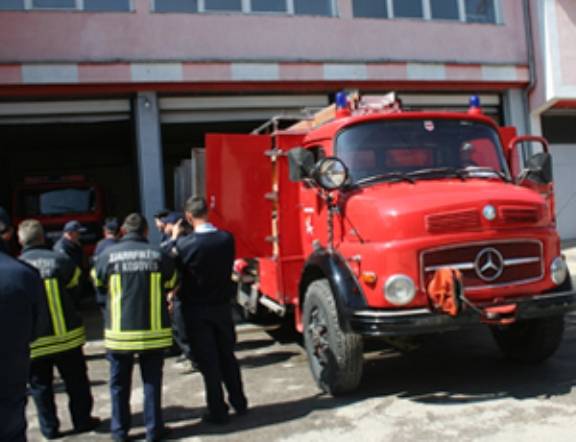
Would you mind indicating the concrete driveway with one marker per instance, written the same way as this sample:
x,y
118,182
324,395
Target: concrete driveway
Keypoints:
x,y
455,387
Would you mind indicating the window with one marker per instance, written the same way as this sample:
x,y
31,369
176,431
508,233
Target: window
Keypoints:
x,y
382,149
472,11
313,7
444,9
269,5
480,11
107,5
6,5
176,6
408,8
223,5
370,8
54,4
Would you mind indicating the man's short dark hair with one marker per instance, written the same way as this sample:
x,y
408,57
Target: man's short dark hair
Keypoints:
x,y
196,205
135,223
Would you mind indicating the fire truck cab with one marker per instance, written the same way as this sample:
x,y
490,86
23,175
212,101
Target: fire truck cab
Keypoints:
x,y
366,221
56,200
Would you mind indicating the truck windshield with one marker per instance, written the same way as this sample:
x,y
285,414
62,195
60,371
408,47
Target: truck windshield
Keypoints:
x,y
57,201
418,148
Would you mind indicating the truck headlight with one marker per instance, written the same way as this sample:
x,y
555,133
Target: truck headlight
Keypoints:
x,y
558,270
399,290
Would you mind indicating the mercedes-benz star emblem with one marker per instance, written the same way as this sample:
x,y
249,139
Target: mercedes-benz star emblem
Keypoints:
x,y
489,264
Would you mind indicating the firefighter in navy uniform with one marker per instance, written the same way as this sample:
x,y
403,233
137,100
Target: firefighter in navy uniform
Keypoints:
x,y
206,259
136,275
60,336
20,294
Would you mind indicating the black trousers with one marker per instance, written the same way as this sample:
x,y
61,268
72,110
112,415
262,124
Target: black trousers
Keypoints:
x,y
121,365
212,338
72,368
179,331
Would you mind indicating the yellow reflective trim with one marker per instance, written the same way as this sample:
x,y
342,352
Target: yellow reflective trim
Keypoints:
x,y
53,306
44,340
46,345
138,346
75,278
138,334
58,303
155,290
115,301
172,282
95,280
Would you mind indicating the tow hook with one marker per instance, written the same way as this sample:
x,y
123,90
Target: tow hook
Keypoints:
x,y
446,293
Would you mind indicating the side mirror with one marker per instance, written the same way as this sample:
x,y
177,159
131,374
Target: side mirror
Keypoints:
x,y
300,163
537,161
539,168
330,173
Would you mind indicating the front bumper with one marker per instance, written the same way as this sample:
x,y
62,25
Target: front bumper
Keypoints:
x,y
378,322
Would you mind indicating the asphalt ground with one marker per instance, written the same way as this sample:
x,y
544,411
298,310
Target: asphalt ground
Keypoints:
x,y
455,387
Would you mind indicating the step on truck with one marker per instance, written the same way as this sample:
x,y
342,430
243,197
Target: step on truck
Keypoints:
x,y
368,221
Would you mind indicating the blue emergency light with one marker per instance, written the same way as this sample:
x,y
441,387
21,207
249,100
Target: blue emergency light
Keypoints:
x,y
475,102
341,100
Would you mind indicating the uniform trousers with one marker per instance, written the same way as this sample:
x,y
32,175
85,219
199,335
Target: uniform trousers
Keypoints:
x,y
13,416
73,371
151,364
212,339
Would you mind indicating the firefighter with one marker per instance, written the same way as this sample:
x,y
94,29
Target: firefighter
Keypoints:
x,y
69,243
206,291
60,336
160,224
20,294
111,232
136,275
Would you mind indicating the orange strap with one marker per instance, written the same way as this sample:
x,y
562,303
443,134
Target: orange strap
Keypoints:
x,y
443,290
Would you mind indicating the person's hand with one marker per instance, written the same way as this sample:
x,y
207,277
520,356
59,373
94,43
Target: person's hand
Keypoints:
x,y
170,298
178,229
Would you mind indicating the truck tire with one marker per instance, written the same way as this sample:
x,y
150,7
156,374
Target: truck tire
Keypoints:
x,y
531,341
335,355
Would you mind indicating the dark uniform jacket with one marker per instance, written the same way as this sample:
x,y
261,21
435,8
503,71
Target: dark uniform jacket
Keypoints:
x,y
72,249
103,244
206,260
59,325
136,275
20,293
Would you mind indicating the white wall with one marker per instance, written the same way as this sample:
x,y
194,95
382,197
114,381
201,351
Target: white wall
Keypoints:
x,y
564,163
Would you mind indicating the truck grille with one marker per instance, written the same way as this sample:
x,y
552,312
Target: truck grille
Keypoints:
x,y
519,214
464,220
487,264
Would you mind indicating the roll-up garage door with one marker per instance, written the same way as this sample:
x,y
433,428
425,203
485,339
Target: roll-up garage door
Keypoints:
x,y
70,111
236,108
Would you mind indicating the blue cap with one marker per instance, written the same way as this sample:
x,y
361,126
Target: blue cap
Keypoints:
x,y
74,226
172,218
112,224
475,101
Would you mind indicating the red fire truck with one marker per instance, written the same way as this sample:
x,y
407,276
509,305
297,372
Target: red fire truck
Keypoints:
x,y
56,200
367,221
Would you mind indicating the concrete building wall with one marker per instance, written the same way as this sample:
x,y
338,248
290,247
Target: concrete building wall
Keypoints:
x,y
142,35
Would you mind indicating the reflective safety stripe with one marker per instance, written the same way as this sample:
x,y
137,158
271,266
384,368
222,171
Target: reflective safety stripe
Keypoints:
x,y
55,306
75,280
155,300
47,345
95,280
115,285
172,282
138,339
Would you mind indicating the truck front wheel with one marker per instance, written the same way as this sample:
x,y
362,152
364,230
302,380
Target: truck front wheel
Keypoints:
x,y
530,341
335,355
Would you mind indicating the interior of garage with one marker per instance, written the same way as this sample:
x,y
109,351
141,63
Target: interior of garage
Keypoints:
x,y
100,152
